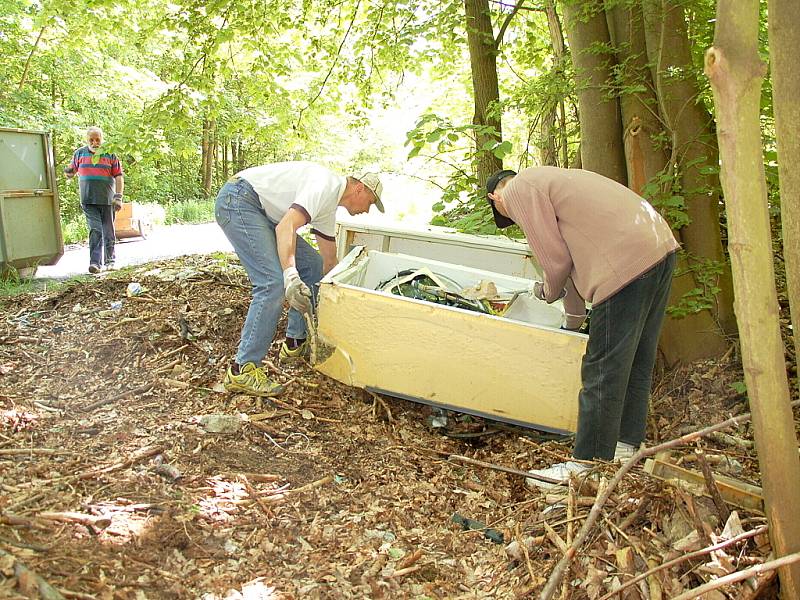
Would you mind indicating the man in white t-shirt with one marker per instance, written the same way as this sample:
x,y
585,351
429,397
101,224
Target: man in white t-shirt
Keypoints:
x,y
260,210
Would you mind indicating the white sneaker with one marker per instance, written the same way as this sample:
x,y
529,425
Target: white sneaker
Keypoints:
x,y
560,472
624,452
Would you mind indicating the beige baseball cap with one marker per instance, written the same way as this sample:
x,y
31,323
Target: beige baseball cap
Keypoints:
x,y
373,182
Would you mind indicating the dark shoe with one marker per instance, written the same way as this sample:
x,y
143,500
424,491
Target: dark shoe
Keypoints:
x,y
299,352
94,269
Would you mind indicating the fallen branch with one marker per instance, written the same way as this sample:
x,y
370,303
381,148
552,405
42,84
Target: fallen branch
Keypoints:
x,y
48,451
142,454
402,572
29,582
75,517
560,568
685,557
142,389
34,547
740,575
711,485
377,400
480,463
13,520
315,484
410,559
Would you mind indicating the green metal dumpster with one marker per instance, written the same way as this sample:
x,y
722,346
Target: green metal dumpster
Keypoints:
x,y
30,225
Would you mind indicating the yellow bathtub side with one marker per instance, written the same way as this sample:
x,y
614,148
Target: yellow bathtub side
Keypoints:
x,y
484,365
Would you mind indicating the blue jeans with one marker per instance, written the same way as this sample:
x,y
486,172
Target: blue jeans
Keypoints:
x,y
252,234
100,219
617,368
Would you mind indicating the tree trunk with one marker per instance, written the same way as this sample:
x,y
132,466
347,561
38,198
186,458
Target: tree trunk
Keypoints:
x,y
736,72
213,160
601,126
207,158
235,155
784,48
552,131
694,336
225,168
204,148
27,66
482,56
694,158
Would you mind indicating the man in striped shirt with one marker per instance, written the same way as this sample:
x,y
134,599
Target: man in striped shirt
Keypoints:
x,y
101,182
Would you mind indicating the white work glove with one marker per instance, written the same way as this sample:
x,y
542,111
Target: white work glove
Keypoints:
x,y
538,291
297,293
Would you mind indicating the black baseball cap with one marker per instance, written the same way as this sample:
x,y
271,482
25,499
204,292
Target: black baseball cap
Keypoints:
x,y
491,184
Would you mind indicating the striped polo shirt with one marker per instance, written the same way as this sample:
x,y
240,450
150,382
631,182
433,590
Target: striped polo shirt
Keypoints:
x,y
96,173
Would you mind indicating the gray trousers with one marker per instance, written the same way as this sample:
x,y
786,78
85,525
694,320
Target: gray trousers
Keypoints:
x,y
617,368
100,219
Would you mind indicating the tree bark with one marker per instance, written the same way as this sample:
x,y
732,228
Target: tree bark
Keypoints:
x,y
204,154
27,67
482,56
736,72
601,125
225,168
784,48
208,155
553,127
695,335
694,155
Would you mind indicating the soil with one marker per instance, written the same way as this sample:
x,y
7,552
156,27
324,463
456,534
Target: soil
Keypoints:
x,y
114,487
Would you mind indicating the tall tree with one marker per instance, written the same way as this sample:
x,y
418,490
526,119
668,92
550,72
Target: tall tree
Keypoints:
x,y
784,48
553,120
693,335
693,159
602,148
483,62
735,69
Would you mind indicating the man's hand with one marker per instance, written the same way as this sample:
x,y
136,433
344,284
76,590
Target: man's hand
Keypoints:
x,y
297,293
538,291
117,203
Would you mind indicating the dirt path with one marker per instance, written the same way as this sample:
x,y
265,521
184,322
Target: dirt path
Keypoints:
x,y
164,242
115,484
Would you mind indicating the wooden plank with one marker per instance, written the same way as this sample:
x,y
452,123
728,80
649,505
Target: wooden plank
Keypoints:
x,y
733,491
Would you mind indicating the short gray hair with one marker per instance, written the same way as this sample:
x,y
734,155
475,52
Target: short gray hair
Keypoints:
x,y
94,129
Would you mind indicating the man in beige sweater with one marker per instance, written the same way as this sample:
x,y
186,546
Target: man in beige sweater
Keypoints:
x,y
599,242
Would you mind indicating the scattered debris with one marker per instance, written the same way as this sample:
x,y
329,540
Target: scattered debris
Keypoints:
x,y
110,487
472,525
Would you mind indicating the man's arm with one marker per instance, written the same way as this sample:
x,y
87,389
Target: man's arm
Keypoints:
x,y
574,307
286,236
119,185
327,249
297,292
72,168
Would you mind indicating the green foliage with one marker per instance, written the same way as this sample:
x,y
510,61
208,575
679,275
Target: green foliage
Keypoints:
x,y
706,274
190,211
664,192
739,387
74,229
463,205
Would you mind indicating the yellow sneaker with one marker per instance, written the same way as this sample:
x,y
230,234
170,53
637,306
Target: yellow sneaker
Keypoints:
x,y
290,355
252,381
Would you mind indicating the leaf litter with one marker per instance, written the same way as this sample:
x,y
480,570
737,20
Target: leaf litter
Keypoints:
x,y
127,472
